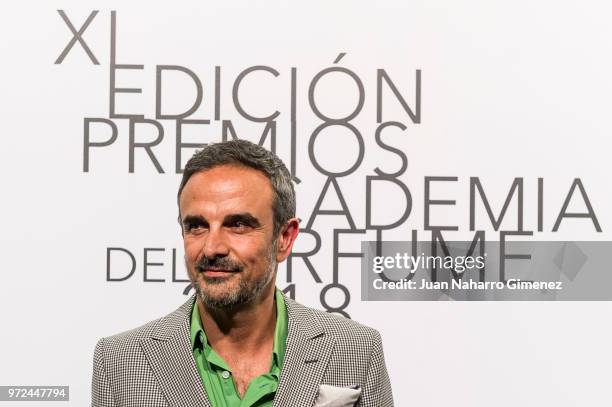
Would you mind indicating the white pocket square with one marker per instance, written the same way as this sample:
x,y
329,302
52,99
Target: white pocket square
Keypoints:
x,y
333,396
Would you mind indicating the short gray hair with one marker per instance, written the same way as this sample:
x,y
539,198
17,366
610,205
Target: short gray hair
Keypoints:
x,y
251,155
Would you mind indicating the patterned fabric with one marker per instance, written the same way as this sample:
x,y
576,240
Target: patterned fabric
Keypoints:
x,y
153,365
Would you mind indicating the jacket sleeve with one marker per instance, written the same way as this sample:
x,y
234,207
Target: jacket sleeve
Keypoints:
x,y
377,390
101,393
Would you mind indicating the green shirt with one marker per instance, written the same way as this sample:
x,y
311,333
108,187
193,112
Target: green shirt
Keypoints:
x,y
217,376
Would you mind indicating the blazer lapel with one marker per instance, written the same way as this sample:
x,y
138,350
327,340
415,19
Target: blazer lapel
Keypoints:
x,y
170,356
307,354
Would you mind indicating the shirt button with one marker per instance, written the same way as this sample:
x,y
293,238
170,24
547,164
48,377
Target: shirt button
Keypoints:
x,y
225,374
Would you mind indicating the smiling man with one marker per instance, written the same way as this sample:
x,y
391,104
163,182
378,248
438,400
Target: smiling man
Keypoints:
x,y
239,342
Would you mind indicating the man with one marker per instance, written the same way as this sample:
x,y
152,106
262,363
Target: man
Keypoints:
x,y
238,341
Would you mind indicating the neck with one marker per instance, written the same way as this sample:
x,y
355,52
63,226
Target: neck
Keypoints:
x,y
244,327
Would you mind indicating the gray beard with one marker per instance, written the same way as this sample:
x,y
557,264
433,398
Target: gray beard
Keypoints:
x,y
245,292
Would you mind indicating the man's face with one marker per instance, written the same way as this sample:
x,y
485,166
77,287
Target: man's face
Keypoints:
x,y
227,220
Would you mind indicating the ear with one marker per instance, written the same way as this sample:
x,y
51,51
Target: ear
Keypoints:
x,y
286,237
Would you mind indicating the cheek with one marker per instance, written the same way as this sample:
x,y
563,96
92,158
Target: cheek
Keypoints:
x,y
252,251
192,249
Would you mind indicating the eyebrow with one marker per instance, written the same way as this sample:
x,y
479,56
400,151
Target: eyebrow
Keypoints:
x,y
245,218
191,219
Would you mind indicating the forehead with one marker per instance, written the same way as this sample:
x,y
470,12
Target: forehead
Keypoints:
x,y
225,189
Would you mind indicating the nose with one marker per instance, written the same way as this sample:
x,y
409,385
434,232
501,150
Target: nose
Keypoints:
x,y
215,244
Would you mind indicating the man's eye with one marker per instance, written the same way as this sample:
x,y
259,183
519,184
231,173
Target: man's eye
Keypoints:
x,y
193,227
239,225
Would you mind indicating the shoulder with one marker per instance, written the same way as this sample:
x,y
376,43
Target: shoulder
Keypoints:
x,y
126,341
165,326
337,326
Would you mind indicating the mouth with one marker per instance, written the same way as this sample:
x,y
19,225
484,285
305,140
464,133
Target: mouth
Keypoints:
x,y
214,272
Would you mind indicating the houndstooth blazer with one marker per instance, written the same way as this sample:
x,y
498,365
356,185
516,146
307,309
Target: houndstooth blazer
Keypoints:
x,y
154,365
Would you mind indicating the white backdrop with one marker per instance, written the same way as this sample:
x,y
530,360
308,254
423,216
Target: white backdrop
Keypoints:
x,y
507,90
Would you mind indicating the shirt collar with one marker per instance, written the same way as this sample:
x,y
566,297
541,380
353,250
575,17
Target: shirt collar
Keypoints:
x,y
280,332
